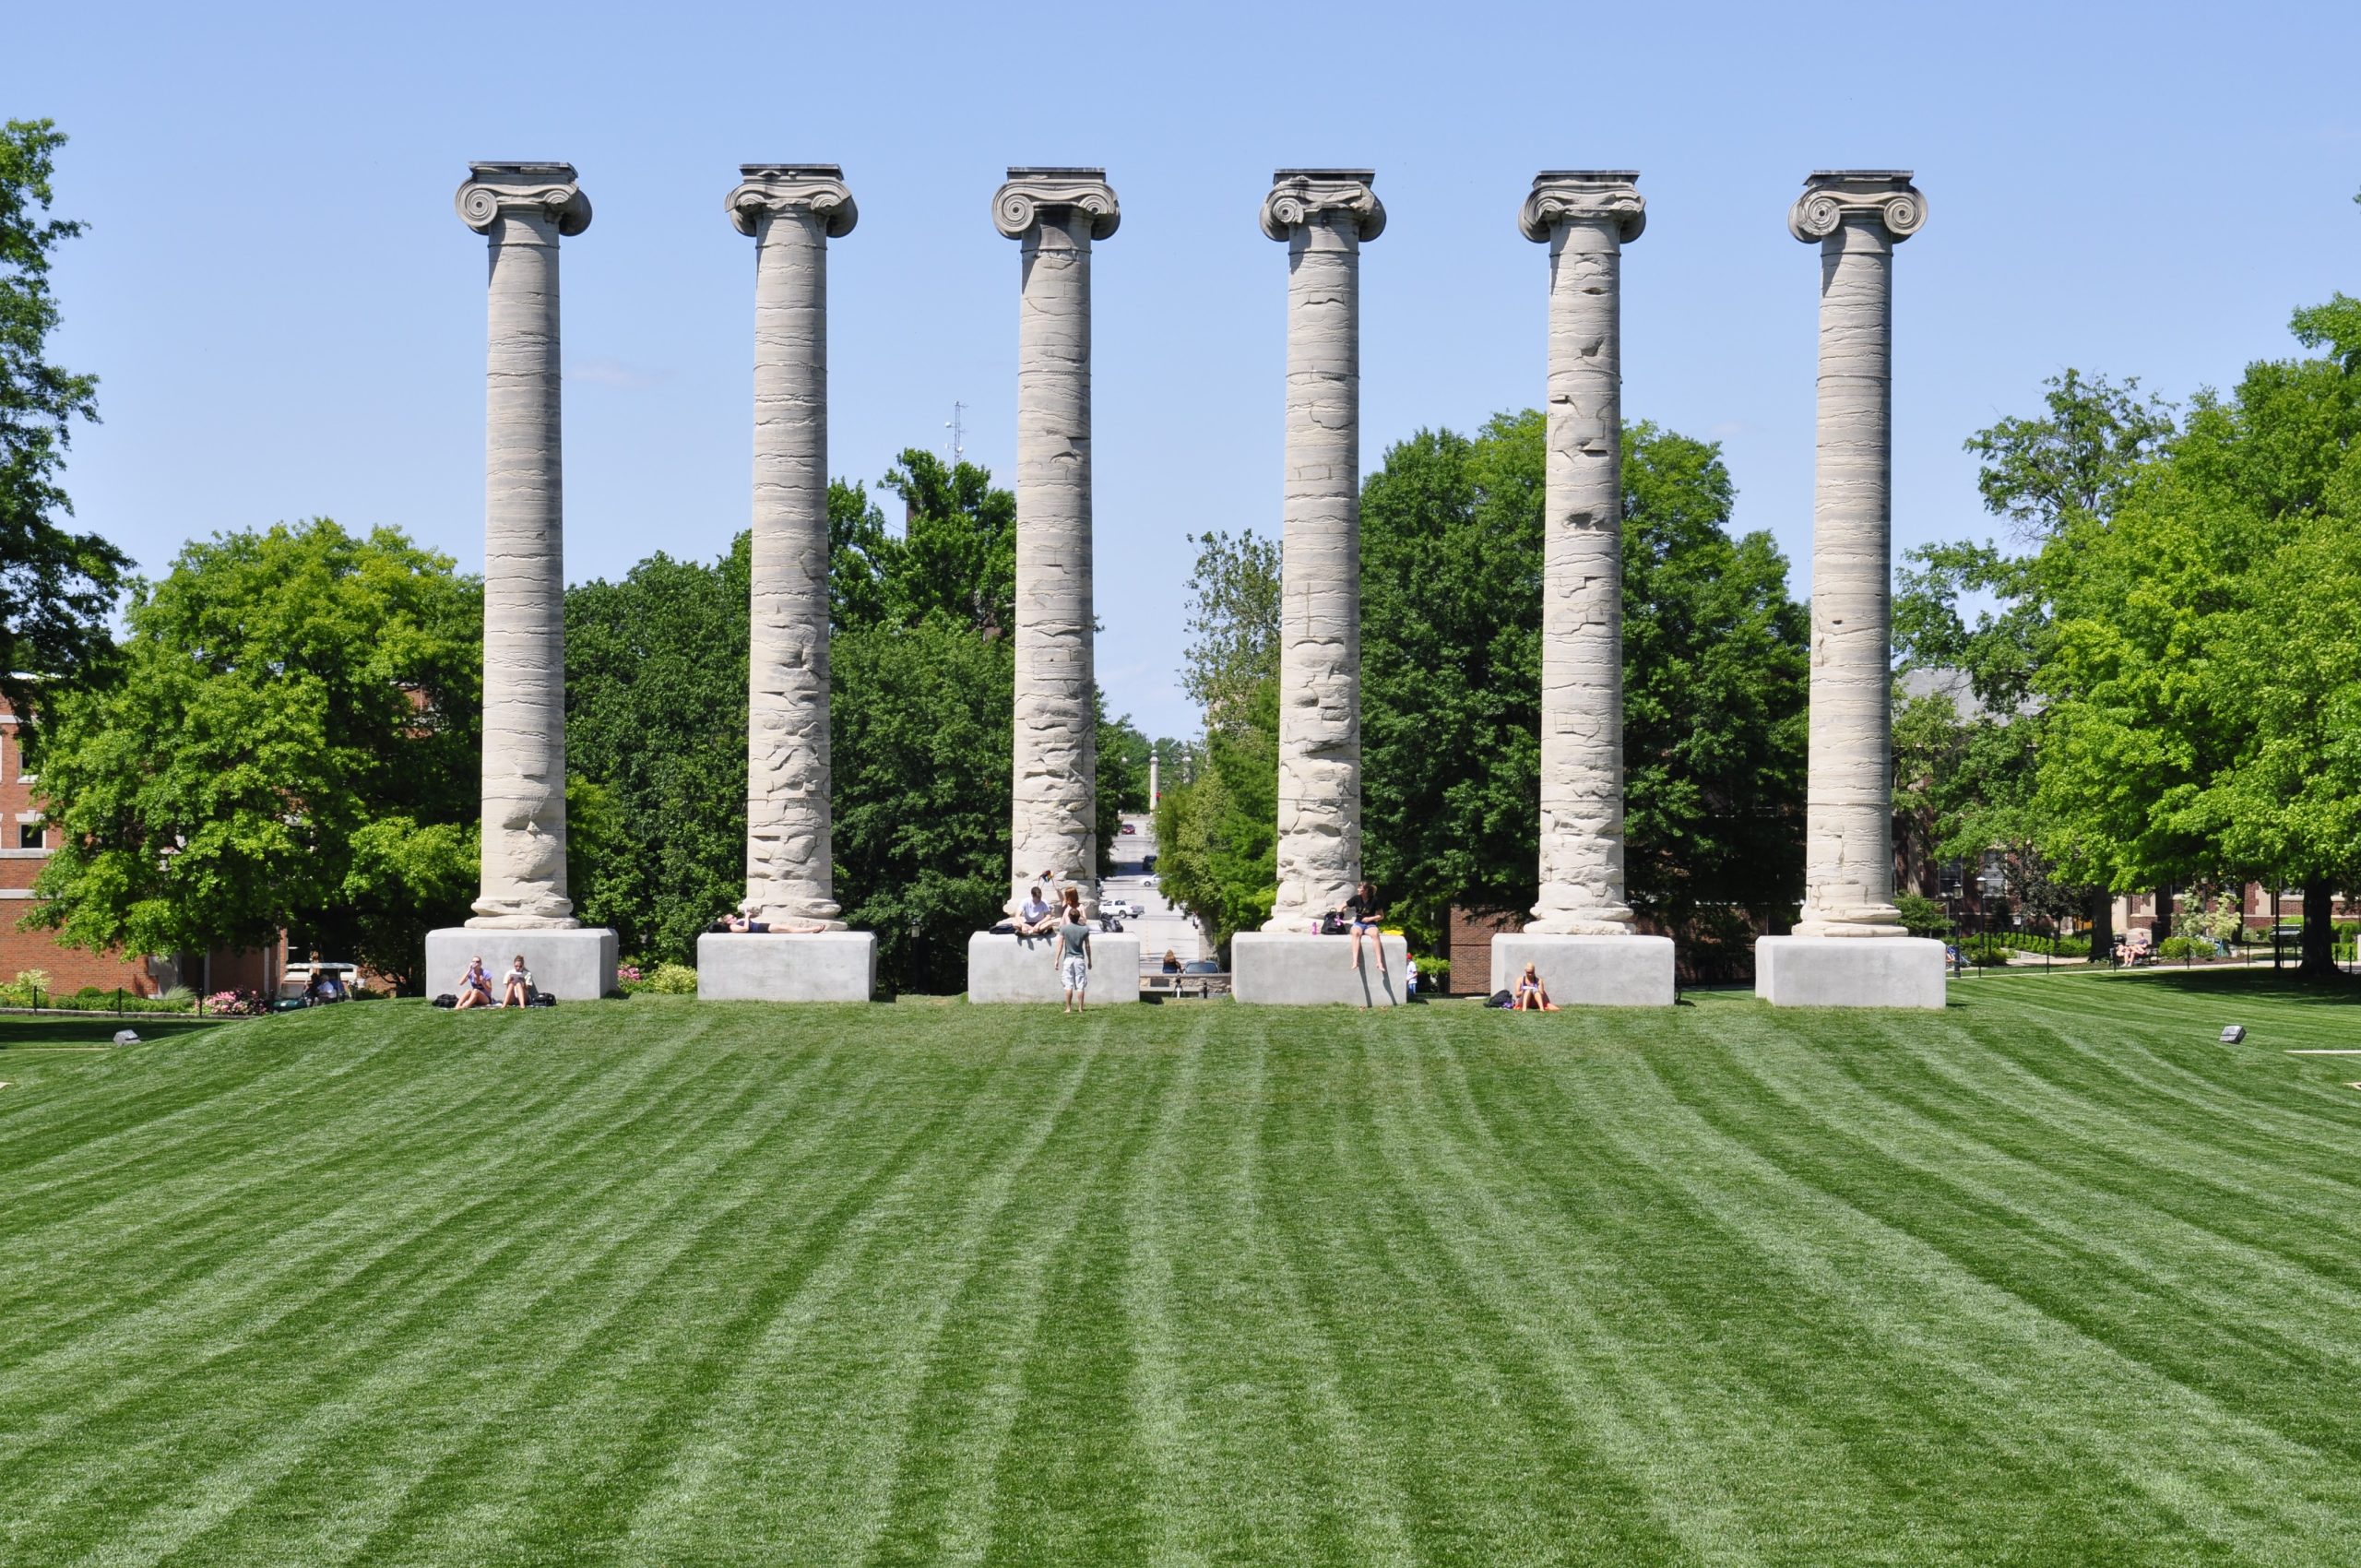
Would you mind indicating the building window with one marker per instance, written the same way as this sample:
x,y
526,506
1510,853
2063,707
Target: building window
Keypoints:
x,y
31,835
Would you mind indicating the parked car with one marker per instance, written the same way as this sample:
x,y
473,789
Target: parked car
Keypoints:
x,y
308,985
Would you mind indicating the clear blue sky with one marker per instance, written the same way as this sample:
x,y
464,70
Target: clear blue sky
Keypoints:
x,y
289,319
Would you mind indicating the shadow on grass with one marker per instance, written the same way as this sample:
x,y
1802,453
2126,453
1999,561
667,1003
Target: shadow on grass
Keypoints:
x,y
96,1029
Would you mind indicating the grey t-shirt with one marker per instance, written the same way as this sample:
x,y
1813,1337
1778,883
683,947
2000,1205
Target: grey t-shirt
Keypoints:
x,y
1071,938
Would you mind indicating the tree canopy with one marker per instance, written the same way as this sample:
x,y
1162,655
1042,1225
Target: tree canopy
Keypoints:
x,y
1715,680
291,744
57,588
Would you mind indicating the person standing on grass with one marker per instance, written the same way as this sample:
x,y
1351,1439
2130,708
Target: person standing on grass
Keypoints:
x,y
1071,952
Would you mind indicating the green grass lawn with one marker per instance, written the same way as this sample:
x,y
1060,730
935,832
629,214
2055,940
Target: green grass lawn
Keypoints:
x,y
2049,1278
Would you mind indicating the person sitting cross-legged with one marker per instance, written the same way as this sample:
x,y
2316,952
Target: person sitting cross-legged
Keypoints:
x,y
1035,916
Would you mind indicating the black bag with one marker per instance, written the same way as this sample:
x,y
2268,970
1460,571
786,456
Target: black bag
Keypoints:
x,y
1500,999
1333,924
541,999
447,1000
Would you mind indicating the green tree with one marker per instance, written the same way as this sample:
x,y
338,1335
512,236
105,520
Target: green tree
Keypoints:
x,y
2203,688
292,745
57,588
656,723
1216,828
1714,677
921,719
2074,464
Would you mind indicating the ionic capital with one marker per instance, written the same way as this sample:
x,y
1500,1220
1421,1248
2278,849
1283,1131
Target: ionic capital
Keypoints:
x,y
492,189
1301,196
816,188
1835,196
1031,194
1583,196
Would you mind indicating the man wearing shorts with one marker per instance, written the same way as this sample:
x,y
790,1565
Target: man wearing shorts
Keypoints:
x,y
1072,955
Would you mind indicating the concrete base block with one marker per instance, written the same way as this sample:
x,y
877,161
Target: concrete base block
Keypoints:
x,y
1849,971
1588,971
1288,968
1001,969
572,963
821,965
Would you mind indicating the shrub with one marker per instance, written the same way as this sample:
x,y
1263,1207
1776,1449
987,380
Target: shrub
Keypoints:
x,y
665,979
2185,947
181,994
1922,916
2046,947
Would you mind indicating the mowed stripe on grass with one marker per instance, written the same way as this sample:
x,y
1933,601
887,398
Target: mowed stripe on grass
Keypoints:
x,y
2052,1276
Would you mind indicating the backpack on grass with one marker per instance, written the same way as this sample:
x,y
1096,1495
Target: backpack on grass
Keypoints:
x,y
447,1000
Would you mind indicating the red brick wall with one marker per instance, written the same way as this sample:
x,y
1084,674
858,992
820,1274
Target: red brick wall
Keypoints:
x,y
69,969
1470,935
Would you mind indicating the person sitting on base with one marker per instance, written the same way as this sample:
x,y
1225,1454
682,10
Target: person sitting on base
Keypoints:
x,y
1362,917
1531,995
1172,962
1035,916
475,986
517,985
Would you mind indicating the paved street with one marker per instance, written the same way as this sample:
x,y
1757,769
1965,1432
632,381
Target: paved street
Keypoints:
x,y
1163,927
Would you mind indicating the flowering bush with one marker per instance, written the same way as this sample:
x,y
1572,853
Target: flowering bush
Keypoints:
x,y
237,1004
662,979
626,974
29,989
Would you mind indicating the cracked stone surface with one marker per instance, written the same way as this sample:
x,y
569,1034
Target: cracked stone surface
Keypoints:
x,y
792,211
523,209
1323,216
1585,217
1055,215
1856,216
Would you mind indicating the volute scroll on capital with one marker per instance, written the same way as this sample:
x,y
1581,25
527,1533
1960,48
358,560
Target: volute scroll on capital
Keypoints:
x,y
816,188
1018,205
1833,197
492,188
1564,195
1301,196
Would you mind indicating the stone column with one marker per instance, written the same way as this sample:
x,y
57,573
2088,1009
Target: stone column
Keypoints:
x,y
1581,942
1323,216
1585,217
1856,216
792,211
523,207
1054,214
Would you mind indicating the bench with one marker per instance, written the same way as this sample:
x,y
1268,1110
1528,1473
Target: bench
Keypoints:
x,y
1159,985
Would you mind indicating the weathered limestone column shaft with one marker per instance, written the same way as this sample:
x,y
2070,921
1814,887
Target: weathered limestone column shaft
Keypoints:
x,y
791,211
524,209
1323,216
1054,214
1856,216
1585,217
